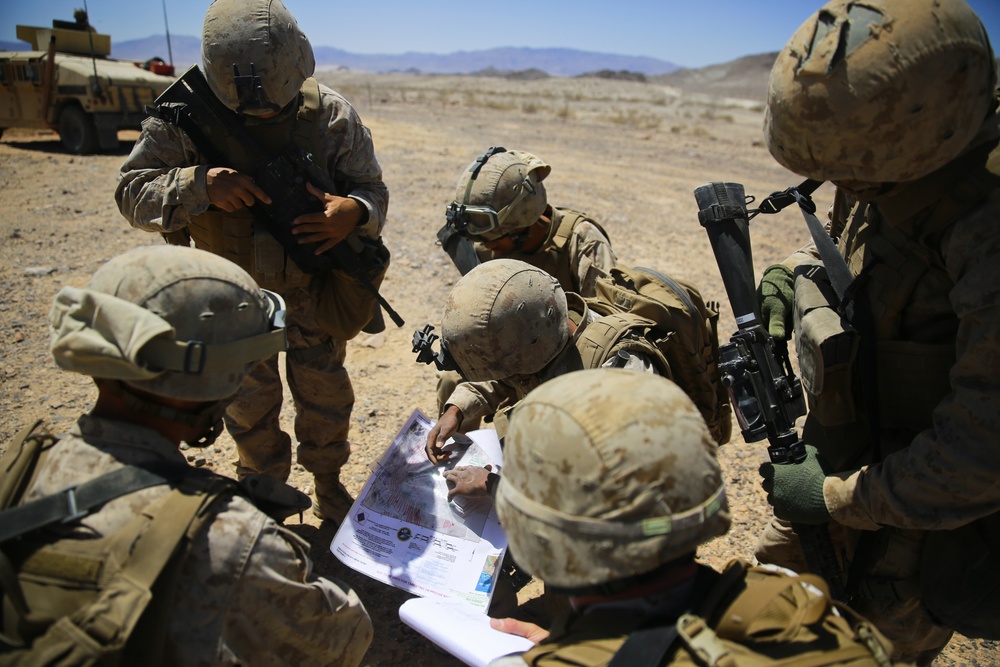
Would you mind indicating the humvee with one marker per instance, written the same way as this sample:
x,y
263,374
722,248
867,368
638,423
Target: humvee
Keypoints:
x,y
70,85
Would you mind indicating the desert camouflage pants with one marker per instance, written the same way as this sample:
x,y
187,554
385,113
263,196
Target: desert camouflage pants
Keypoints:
x,y
321,391
889,595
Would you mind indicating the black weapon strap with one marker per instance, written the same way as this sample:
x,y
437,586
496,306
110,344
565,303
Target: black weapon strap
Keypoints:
x,y
857,311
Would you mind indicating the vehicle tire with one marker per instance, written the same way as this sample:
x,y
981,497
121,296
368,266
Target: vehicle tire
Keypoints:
x,y
77,130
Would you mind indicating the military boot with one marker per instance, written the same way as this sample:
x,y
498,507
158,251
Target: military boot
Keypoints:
x,y
331,501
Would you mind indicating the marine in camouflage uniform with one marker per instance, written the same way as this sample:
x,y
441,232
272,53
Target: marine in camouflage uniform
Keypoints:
x,y
610,485
904,122
246,593
509,327
501,204
166,186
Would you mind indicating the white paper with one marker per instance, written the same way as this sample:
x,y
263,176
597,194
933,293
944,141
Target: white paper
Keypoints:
x,y
461,630
403,531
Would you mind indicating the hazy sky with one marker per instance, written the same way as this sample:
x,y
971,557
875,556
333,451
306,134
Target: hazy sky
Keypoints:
x,y
691,33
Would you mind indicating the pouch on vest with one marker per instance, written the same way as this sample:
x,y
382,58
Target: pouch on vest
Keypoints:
x,y
827,347
345,305
960,577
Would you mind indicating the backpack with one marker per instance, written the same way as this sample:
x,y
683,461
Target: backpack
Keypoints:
x,y
682,327
69,600
745,617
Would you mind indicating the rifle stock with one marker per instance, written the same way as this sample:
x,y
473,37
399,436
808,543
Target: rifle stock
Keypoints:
x,y
764,391
215,130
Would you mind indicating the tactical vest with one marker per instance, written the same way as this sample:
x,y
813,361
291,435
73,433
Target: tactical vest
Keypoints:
x,y
69,599
903,275
238,236
750,617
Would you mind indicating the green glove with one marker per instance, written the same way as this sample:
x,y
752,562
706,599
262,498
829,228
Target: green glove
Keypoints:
x,y
795,490
776,293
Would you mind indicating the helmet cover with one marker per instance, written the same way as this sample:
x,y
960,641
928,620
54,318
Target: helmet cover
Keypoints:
x,y
879,90
165,306
504,318
255,56
506,185
609,474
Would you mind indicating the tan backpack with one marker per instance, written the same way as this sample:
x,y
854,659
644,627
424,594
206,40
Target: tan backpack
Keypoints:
x,y
683,327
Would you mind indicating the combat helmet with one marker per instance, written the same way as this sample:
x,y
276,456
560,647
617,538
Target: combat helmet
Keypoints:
x,y
499,193
879,91
504,318
255,56
609,474
168,321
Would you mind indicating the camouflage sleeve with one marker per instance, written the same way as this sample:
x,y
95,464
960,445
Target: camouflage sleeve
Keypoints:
x,y
281,609
350,157
948,475
161,184
481,399
591,257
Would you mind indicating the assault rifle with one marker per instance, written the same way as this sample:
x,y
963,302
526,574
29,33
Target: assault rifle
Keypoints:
x,y
764,391
216,130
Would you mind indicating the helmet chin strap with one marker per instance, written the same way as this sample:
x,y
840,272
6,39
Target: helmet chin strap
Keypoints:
x,y
208,418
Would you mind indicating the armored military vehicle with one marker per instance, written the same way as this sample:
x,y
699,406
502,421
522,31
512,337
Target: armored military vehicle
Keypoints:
x,y
69,84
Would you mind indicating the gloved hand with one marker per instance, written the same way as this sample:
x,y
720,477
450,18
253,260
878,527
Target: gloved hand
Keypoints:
x,y
795,490
776,293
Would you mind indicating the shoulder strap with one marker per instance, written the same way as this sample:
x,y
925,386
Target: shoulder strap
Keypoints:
x,y
559,236
560,233
646,646
305,126
77,501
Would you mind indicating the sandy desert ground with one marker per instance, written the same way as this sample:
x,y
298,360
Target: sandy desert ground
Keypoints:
x,y
629,154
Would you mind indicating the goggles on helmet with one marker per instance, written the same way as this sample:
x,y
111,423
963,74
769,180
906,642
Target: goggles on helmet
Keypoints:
x,y
482,220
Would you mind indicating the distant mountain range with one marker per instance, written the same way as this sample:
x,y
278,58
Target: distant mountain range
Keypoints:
x,y
744,77
555,62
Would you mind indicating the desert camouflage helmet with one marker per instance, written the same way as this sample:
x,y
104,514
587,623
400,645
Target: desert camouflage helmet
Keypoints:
x,y
255,56
504,318
499,193
170,321
609,474
879,90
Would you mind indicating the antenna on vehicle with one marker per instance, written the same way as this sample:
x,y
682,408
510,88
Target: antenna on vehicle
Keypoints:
x,y
166,28
96,87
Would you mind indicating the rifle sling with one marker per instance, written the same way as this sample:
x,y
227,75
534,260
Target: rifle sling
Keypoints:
x,y
856,309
